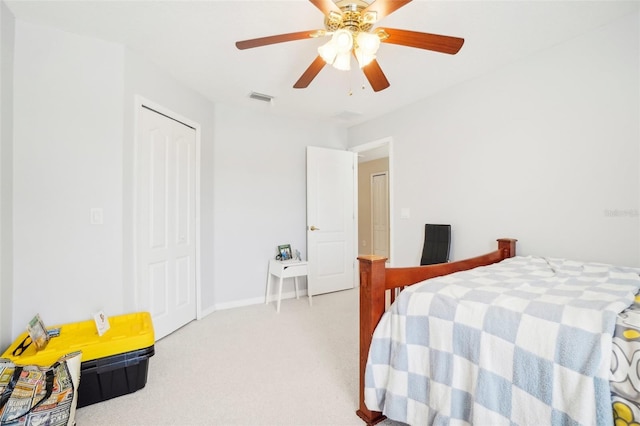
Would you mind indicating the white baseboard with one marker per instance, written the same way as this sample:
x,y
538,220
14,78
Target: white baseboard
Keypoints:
x,y
249,302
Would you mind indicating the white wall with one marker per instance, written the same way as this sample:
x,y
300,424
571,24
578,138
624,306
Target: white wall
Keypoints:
x,y
7,31
545,150
74,130
260,191
68,110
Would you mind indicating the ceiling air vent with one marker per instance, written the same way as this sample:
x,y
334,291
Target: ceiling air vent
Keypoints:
x,y
261,97
348,115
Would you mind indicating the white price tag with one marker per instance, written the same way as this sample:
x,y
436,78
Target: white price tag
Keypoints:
x,y
102,322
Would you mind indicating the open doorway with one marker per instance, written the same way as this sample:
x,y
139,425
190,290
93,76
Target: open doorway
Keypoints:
x,y
375,198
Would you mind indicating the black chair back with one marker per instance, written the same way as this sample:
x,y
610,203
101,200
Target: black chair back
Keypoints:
x,y
437,241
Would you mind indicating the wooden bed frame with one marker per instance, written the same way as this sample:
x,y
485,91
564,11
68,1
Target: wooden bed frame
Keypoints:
x,y
376,279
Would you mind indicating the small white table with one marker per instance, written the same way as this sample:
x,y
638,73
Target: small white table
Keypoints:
x,y
286,269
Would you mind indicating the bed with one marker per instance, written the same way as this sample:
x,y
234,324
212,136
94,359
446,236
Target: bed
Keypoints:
x,y
500,339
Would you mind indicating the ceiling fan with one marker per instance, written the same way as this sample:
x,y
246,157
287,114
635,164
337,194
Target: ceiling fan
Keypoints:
x,y
350,25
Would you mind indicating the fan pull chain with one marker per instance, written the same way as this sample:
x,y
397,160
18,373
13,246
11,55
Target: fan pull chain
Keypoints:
x,y
363,86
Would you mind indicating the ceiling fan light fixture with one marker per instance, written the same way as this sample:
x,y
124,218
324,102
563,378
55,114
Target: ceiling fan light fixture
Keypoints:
x,y
343,61
363,58
367,47
337,51
350,24
328,52
343,40
368,42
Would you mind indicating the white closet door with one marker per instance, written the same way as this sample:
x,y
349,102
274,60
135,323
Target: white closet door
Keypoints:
x,y
165,222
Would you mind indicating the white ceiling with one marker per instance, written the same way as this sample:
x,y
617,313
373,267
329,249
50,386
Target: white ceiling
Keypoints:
x,y
194,41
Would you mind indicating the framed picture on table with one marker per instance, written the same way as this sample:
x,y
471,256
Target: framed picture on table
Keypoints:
x,y
284,252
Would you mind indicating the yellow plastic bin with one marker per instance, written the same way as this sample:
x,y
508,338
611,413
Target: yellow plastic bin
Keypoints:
x,y
113,364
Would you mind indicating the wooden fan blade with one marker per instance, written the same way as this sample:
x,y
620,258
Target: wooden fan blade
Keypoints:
x,y
325,6
307,77
376,77
435,42
385,7
280,38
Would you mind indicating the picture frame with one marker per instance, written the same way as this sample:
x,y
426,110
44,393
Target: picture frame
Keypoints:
x,y
284,251
38,332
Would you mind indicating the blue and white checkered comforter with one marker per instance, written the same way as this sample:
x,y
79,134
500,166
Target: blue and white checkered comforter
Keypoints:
x,y
527,341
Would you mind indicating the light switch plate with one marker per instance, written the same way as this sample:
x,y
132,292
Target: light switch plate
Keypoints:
x,y
97,216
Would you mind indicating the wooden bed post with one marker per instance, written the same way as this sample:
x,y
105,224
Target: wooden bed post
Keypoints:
x,y
507,246
372,293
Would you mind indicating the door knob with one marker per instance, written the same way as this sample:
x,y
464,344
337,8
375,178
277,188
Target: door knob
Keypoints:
x,y
313,228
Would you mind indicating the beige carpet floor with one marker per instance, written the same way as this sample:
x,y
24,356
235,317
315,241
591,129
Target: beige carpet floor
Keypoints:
x,y
250,366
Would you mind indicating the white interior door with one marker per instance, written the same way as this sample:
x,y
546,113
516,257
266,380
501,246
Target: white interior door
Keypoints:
x,y
331,222
165,221
380,214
